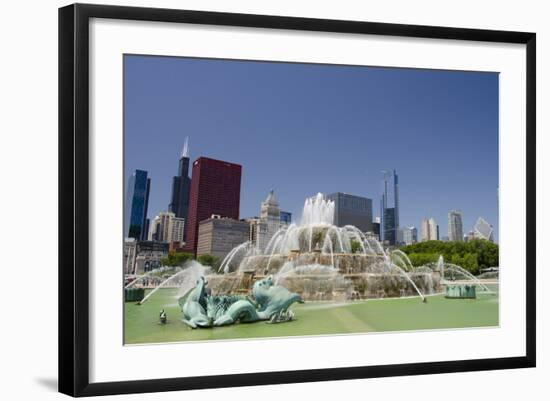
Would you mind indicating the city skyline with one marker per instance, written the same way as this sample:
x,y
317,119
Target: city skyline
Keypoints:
x,y
221,131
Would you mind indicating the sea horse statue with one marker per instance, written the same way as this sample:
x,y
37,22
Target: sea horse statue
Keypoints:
x,y
269,302
273,300
194,306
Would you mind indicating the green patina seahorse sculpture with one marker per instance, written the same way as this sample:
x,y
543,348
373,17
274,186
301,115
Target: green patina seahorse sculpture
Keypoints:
x,y
271,302
272,299
194,306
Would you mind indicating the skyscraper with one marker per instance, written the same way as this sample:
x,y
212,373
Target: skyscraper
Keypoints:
x,y
166,227
270,221
455,226
352,210
424,230
483,230
429,230
376,228
410,235
215,190
389,207
135,208
181,185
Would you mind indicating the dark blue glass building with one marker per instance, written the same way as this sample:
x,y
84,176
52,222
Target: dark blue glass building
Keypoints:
x,y
389,208
135,209
286,217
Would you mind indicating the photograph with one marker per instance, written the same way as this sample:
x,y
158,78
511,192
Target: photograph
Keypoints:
x,y
279,200
268,199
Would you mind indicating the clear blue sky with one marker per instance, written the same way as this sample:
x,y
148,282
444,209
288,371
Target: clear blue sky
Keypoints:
x,y
302,129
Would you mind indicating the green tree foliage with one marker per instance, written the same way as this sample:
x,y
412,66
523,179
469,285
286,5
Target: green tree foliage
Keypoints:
x,y
472,255
355,246
419,259
207,260
176,259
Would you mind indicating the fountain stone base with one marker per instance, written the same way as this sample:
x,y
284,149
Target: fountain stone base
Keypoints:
x,y
336,287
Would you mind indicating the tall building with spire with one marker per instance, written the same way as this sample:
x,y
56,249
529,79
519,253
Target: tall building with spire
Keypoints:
x,y
181,185
270,221
270,214
389,207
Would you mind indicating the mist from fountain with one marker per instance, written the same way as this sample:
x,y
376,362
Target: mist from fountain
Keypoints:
x,y
402,259
317,219
443,267
391,265
317,210
457,269
245,247
185,279
148,274
289,268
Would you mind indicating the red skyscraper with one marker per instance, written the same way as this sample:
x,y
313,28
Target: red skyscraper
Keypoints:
x,y
215,189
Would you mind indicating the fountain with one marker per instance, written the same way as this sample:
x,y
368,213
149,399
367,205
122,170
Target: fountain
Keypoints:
x,y
320,261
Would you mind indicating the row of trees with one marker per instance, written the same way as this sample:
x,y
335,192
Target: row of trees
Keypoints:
x,y
473,255
179,259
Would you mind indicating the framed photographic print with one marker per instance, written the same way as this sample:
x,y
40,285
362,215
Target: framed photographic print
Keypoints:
x,y
250,199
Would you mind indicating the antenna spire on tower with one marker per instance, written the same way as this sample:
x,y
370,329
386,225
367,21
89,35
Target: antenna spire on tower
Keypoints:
x,y
185,151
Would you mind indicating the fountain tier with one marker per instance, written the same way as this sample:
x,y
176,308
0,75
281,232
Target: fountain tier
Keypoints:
x,y
321,261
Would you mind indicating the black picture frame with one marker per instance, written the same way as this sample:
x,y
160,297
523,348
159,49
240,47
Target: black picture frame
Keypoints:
x,y
74,198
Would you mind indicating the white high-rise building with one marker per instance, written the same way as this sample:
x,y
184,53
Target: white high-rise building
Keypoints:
x,y
424,230
410,235
166,227
455,226
429,230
